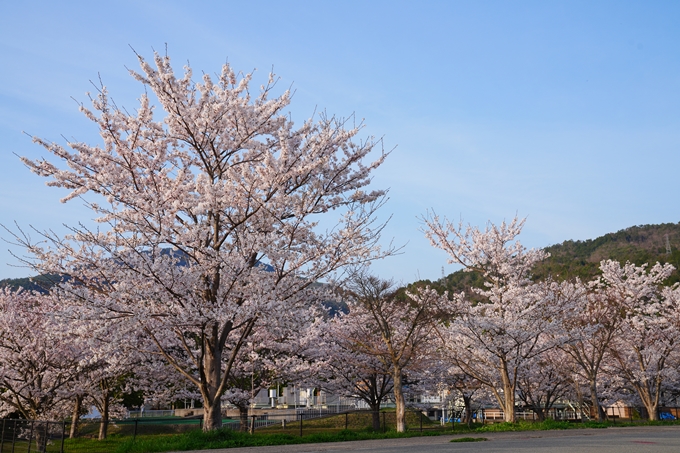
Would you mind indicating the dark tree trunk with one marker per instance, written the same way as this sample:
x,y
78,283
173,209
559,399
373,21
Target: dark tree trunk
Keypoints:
x,y
467,402
243,418
375,416
540,413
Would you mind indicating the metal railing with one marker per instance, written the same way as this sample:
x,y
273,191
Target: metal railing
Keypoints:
x,y
150,414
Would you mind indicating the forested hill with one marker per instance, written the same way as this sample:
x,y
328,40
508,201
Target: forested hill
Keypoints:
x,y
39,283
637,244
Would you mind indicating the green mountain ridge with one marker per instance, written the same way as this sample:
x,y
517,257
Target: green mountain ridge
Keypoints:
x,y
39,283
637,244
570,259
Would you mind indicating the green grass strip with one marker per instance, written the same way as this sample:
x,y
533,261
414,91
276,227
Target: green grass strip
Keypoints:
x,y
469,439
317,433
225,438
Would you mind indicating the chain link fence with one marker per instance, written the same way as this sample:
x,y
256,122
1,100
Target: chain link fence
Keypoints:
x,y
19,436
26,436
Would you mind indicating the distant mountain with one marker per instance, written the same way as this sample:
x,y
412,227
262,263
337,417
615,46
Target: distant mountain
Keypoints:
x,y
41,283
637,244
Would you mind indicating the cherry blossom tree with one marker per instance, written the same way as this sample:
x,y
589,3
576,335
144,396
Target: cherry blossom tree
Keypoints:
x,y
471,394
516,319
114,370
645,350
670,305
456,389
249,376
210,214
543,381
591,327
405,328
275,353
347,363
38,364
115,357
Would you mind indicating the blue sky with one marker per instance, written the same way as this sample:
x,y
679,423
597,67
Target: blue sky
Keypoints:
x,y
564,112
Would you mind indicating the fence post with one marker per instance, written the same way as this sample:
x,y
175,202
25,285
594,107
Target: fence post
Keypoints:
x,y
420,416
47,433
300,424
63,434
346,421
14,434
30,436
384,426
134,432
252,425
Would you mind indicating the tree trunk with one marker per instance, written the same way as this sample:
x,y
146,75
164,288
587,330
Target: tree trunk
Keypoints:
x,y
399,401
375,416
652,411
243,418
212,415
467,402
650,401
75,417
509,409
41,436
104,423
212,362
540,413
508,397
595,401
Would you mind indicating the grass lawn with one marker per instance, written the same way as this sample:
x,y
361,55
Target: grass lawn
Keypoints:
x,y
330,429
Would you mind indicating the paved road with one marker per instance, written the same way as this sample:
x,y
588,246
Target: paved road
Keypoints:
x,y
611,440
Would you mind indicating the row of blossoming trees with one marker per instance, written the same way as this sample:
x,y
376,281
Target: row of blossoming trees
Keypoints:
x,y
216,225
513,340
